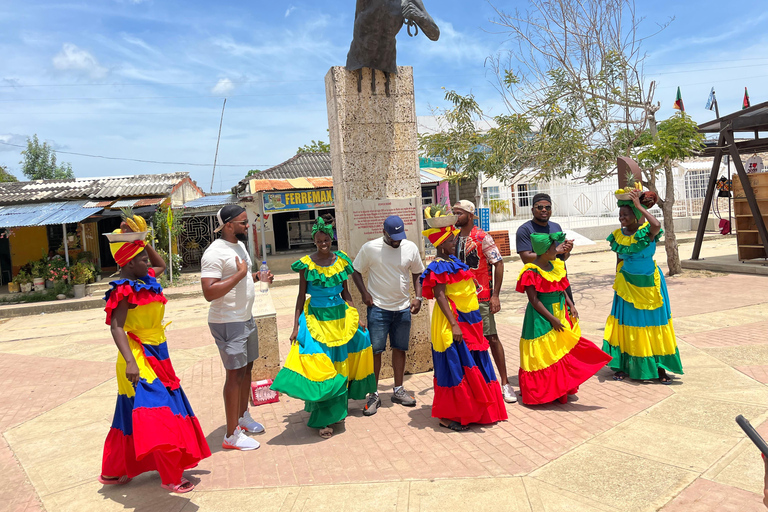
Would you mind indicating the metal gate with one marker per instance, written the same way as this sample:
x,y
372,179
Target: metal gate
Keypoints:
x,y
197,236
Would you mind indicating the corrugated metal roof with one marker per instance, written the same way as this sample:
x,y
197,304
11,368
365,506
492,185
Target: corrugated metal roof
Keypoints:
x,y
295,184
91,188
213,200
430,175
44,214
303,165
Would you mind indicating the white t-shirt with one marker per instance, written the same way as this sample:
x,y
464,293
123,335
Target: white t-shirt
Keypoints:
x,y
219,263
390,271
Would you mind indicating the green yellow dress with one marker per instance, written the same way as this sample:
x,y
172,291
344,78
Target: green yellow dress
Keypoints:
x,y
331,361
639,334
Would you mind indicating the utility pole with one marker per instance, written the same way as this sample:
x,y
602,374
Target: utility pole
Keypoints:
x,y
216,157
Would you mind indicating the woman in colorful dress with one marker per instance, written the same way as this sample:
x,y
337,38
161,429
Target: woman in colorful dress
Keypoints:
x,y
154,427
554,359
639,335
331,360
466,388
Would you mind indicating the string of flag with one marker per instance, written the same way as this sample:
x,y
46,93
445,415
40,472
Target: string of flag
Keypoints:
x,y
711,101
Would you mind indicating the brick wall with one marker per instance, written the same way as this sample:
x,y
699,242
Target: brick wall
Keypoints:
x,y
502,242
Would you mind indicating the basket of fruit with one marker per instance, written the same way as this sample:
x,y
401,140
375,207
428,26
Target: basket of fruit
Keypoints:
x,y
136,224
623,193
437,216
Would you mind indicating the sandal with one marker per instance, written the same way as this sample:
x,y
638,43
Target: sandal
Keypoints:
x,y
455,426
619,376
326,433
180,488
664,378
115,480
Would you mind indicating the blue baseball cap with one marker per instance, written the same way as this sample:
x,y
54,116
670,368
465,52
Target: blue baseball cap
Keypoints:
x,y
394,227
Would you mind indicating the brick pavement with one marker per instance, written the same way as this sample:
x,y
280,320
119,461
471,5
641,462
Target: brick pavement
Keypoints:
x,y
405,445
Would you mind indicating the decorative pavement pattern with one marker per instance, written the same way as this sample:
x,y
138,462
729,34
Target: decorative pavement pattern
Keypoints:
x,y
618,446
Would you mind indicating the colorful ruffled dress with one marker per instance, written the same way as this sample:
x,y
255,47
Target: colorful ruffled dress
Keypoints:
x,y
552,364
639,334
332,359
466,389
154,427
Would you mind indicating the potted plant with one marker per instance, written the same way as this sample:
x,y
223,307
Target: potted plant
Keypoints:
x,y
57,271
13,287
24,280
39,273
80,274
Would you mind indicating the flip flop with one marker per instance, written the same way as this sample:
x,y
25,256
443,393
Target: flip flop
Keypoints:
x,y
326,433
180,487
619,376
455,426
114,481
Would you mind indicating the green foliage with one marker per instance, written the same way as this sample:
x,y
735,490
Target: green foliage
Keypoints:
x,y
161,229
82,272
23,277
40,162
173,265
677,138
253,172
6,176
317,146
499,207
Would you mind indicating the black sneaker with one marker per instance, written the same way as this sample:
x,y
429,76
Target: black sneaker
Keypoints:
x,y
372,405
402,397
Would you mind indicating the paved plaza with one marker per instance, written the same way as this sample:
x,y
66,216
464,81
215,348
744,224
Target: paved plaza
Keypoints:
x,y
629,446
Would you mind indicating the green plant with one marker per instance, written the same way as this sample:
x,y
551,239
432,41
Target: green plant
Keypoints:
x,y
22,277
160,229
57,270
173,265
81,273
40,269
499,206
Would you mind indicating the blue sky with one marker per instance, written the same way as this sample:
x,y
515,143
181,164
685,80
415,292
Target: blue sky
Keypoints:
x,y
145,79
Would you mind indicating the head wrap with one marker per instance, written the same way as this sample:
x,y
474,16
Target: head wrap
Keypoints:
x,y
123,252
541,197
322,227
624,202
439,235
541,242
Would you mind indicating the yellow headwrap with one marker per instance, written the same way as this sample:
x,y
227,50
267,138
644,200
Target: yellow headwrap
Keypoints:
x,y
439,235
123,252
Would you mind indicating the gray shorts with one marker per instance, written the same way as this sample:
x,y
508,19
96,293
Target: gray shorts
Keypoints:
x,y
238,343
489,322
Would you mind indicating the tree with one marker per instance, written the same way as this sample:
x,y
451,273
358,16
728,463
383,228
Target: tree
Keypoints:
x,y
576,99
317,146
5,175
253,172
40,162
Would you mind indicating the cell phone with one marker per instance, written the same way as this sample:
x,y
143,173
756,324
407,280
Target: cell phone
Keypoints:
x,y
752,434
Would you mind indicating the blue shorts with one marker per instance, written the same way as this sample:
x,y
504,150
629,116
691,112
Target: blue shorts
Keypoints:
x,y
396,324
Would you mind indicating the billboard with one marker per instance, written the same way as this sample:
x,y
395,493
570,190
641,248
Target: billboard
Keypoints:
x,y
293,201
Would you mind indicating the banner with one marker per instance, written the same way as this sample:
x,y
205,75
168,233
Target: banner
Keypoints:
x,y
279,202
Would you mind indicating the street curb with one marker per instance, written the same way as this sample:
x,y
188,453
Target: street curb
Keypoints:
x,y
16,310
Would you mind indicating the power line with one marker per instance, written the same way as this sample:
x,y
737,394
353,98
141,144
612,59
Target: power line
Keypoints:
x,y
144,161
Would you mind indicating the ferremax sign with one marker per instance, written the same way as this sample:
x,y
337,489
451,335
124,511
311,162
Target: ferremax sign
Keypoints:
x,y
278,202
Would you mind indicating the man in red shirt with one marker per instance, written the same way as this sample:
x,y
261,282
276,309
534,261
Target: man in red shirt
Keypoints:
x,y
477,249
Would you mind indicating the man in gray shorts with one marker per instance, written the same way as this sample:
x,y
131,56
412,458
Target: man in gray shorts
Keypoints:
x,y
227,283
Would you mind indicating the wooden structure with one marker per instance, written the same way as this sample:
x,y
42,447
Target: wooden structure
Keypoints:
x,y
752,204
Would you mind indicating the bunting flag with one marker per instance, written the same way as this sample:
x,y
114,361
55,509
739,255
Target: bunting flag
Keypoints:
x,y
711,100
745,103
679,102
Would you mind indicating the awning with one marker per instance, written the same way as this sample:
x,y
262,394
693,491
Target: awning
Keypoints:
x,y
430,175
44,214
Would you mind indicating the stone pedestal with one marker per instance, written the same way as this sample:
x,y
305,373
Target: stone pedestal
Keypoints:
x,y
375,162
268,362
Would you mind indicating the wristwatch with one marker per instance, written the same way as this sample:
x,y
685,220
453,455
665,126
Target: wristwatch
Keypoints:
x,y
420,299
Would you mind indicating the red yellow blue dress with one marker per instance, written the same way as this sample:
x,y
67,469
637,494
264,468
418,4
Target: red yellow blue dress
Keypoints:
x,y
466,388
154,427
331,361
639,334
552,364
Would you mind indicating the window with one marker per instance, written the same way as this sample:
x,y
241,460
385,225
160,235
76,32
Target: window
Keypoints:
x,y
427,196
490,193
525,192
696,184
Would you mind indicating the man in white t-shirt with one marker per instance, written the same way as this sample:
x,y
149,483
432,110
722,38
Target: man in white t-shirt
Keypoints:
x,y
391,261
227,282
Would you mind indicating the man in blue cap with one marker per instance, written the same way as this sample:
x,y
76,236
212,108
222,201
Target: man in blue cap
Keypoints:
x,y
389,261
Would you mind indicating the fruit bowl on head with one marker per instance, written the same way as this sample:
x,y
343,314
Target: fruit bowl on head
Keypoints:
x,y
442,221
126,237
623,197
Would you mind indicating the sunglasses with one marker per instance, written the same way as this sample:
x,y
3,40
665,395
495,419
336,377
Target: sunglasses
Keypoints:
x,y
541,207
241,222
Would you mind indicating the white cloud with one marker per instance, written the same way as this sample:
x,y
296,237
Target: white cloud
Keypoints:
x,y
290,10
72,58
223,86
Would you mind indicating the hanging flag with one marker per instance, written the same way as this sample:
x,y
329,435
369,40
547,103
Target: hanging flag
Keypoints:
x,y
711,100
745,103
679,101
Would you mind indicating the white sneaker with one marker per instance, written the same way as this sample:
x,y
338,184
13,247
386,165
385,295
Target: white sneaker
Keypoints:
x,y
249,424
508,393
239,441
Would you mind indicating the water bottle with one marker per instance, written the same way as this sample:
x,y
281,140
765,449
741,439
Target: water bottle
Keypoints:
x,y
263,282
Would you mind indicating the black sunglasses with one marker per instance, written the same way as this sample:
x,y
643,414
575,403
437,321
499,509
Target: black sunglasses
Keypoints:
x,y
541,207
